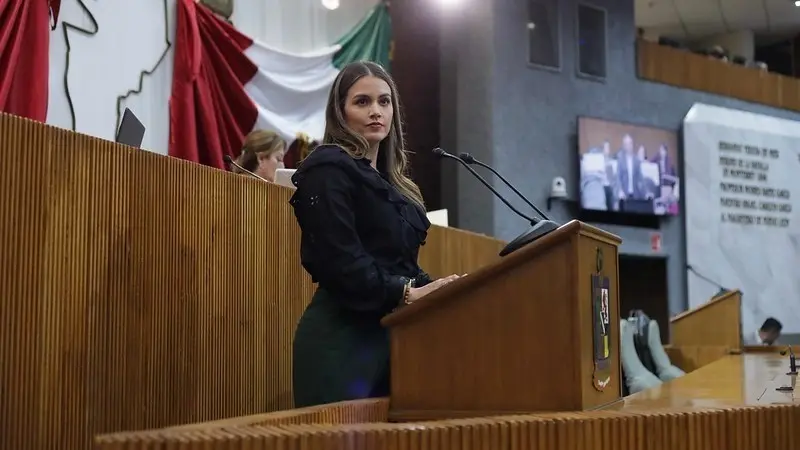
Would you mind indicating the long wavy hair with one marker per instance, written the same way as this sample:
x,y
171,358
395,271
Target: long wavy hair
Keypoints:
x,y
392,153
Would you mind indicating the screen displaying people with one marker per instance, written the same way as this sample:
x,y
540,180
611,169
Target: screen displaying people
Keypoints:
x,y
628,168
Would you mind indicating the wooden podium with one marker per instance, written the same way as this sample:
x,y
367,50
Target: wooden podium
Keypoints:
x,y
717,322
527,333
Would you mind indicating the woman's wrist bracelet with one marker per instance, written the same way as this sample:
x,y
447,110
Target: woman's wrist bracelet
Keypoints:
x,y
407,290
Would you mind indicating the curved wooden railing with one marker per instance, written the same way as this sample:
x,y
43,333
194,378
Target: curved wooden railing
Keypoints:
x,y
744,428
688,70
730,404
371,410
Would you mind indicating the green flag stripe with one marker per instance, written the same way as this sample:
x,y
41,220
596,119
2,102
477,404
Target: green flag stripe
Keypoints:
x,y
369,40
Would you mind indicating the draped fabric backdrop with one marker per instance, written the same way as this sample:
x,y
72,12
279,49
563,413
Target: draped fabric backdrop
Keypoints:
x,y
24,62
105,56
297,26
225,84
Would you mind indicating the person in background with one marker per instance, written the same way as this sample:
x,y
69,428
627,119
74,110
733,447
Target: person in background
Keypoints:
x,y
362,222
650,187
629,171
665,167
768,334
610,185
668,182
641,154
593,181
262,154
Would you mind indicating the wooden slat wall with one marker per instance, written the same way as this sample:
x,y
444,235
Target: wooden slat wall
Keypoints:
x,y
139,291
687,70
371,410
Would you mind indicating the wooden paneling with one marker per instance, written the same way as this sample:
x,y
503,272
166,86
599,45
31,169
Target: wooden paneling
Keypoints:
x,y
687,70
371,410
692,357
714,323
142,291
480,346
740,428
733,380
731,404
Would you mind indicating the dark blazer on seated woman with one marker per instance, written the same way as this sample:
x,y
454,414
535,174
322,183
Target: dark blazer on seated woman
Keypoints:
x,y
360,242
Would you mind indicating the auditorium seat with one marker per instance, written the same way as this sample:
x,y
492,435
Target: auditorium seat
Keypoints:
x,y
664,368
637,377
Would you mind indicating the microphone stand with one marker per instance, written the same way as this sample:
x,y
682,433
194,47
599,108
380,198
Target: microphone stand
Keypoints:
x,y
722,289
231,162
441,153
469,159
792,360
538,227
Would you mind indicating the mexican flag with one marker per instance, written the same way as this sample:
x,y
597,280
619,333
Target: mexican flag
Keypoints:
x,y
225,84
24,61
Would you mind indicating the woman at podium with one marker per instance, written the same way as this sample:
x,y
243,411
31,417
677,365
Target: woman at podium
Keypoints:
x,y
362,222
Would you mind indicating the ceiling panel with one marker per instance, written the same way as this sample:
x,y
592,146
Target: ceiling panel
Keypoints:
x,y
674,32
701,30
655,13
782,13
699,11
745,14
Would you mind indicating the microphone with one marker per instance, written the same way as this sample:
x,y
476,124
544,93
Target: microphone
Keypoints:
x,y
792,360
722,289
538,227
441,153
231,162
470,160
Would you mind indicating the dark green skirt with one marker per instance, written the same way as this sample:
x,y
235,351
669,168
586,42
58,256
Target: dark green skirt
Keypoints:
x,y
338,354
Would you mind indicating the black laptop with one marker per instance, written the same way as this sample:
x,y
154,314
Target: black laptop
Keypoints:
x,y
131,130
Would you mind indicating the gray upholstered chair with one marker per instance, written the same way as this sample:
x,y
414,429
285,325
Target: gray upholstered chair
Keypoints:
x,y
637,377
664,368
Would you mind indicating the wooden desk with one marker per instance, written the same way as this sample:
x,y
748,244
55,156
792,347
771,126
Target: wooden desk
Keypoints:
x,y
734,380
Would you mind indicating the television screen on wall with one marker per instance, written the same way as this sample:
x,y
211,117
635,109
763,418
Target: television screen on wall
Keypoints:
x,y
628,168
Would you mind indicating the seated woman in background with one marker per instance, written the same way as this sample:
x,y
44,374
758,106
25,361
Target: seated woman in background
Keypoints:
x,y
362,222
262,154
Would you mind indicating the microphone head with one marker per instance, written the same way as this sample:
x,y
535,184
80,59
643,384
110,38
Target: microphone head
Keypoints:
x,y
438,151
228,159
467,158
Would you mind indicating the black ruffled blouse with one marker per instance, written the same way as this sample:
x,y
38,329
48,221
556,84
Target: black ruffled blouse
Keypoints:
x,y
360,237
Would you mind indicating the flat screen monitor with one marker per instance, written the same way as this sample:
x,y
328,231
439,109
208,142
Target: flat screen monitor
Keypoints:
x,y
628,168
131,130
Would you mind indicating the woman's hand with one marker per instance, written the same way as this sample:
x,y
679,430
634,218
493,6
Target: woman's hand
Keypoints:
x,y
415,294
